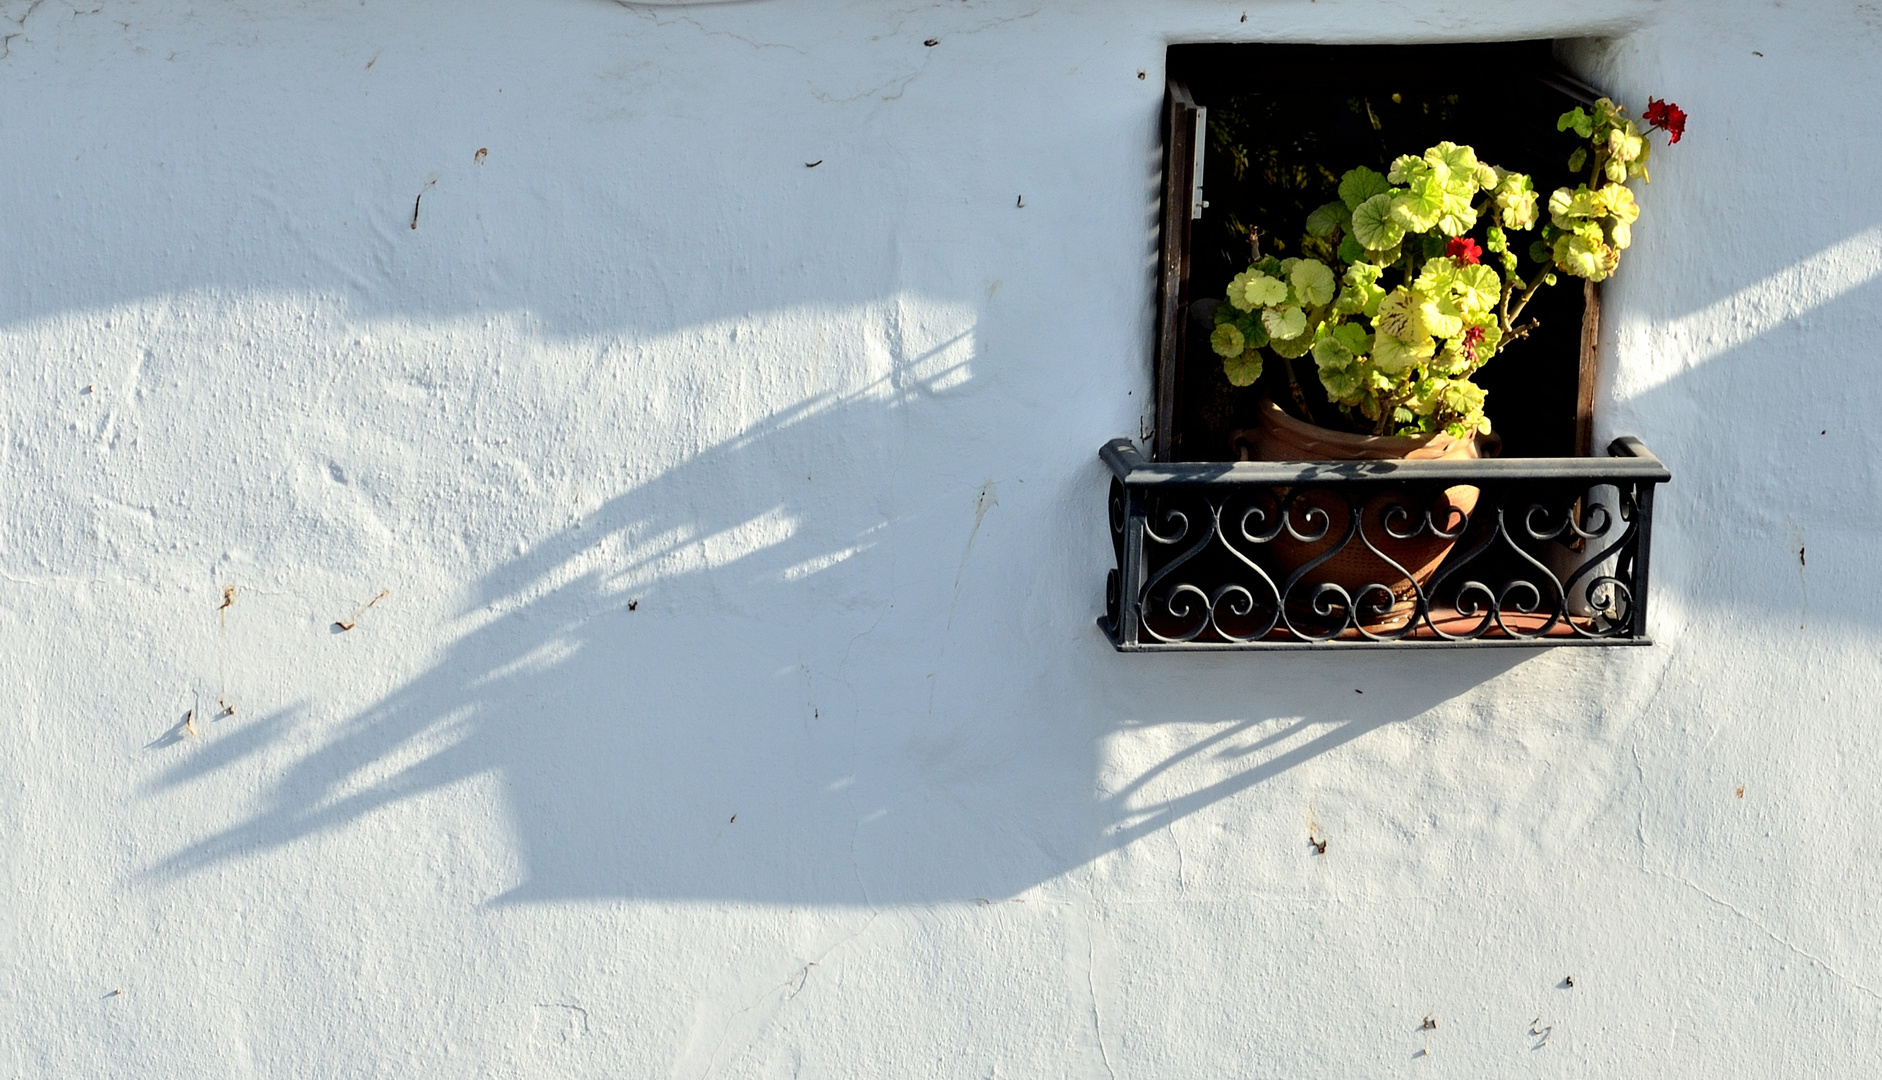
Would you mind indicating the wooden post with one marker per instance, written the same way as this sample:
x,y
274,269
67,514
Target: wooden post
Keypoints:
x,y
1584,387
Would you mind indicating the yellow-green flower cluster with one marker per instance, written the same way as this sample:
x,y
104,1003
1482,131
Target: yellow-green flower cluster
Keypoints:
x,y
1401,353
1439,189
1433,194
1277,304
1591,225
1402,350
1515,199
1593,228
1426,341
1621,151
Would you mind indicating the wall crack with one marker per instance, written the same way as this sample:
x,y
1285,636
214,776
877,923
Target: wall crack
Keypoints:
x,y
1768,932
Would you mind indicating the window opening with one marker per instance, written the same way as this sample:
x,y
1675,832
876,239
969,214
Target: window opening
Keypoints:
x,y
1256,136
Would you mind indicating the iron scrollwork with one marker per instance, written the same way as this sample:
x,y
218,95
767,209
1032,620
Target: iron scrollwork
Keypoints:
x,y
1267,555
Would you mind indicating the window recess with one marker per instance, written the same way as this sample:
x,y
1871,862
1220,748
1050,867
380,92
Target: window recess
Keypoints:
x,y
1545,545
1256,136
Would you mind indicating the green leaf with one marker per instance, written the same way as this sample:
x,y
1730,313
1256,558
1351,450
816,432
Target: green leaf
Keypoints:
x,y
1265,290
1492,337
1625,142
1408,167
1253,289
1227,341
1567,207
1453,157
1255,334
1284,322
1463,397
1436,276
1361,293
1343,383
1330,352
1374,225
1364,273
1353,338
1393,356
1477,288
1359,185
1312,281
1340,347
1238,291
1581,122
1243,370
1585,257
1452,359
1398,316
1618,201
1577,159
1441,316
1351,250
1417,208
1515,201
1457,222
1294,346
1326,219
1539,252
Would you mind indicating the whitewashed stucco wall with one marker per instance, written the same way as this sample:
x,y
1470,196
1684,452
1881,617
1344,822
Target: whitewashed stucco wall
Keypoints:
x,y
732,705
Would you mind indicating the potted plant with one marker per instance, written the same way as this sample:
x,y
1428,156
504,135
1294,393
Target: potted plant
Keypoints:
x,y
1409,284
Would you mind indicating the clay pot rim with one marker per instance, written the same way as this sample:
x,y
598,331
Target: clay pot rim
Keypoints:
x,y
1354,447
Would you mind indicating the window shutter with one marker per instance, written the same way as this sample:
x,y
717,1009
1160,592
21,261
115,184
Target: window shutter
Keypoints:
x,y
1184,131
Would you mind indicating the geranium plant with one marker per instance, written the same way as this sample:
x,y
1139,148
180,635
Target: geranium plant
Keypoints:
x,y
1395,301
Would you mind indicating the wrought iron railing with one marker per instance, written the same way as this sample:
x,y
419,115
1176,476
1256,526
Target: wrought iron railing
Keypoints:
x,y
1366,554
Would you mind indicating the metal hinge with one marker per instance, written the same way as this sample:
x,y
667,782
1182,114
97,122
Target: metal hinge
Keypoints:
x,y
1197,204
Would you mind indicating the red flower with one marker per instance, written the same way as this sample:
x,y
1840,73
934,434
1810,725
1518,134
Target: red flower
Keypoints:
x,y
1464,250
1666,116
1472,338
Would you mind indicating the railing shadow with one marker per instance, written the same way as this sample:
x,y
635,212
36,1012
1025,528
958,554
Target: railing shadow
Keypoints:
x,y
664,725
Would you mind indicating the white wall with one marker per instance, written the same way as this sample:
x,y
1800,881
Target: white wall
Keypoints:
x,y
698,483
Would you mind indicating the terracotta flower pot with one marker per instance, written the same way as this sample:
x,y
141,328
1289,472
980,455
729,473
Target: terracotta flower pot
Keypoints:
x,y
1354,568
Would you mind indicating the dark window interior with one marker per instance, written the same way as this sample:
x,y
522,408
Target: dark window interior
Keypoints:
x,y
1284,121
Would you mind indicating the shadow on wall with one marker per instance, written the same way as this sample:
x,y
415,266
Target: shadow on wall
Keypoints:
x,y
826,661
760,677
741,680
728,683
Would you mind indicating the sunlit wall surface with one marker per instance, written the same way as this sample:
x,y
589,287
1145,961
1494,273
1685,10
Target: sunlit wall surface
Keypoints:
x,y
562,539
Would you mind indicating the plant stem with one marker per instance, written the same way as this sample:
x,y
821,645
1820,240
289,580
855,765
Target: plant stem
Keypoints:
x,y
1509,287
1509,317
1387,408
1300,396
